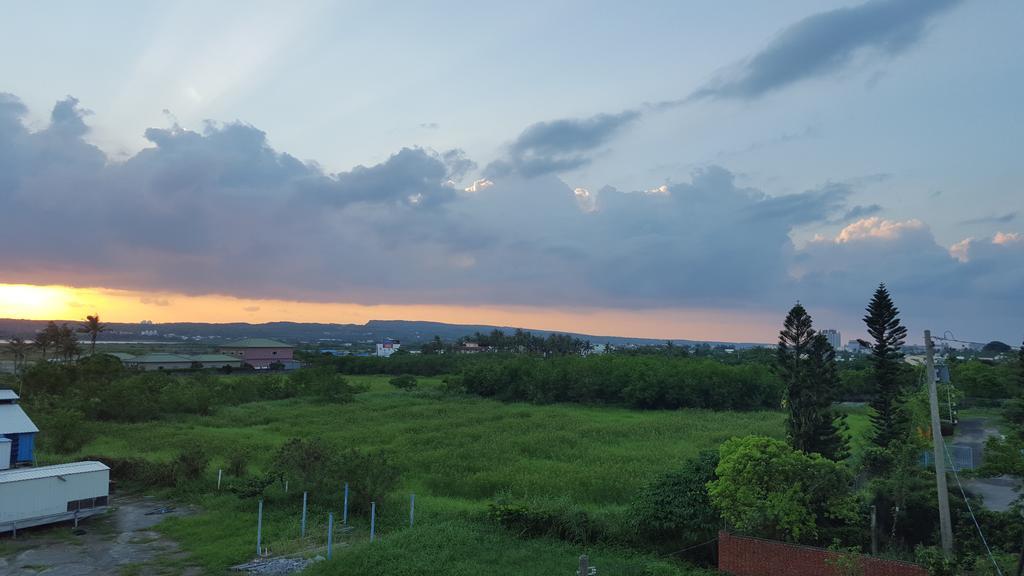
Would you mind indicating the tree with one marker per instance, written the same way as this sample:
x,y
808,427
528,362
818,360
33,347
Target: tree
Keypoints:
x,y
807,364
92,326
66,343
888,334
766,488
46,338
19,348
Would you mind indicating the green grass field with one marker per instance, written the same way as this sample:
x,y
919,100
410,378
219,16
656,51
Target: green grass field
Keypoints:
x,y
456,453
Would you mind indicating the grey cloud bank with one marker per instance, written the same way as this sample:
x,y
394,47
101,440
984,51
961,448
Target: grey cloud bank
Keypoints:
x,y
220,211
826,42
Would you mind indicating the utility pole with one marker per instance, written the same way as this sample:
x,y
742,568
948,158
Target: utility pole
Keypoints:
x,y
945,526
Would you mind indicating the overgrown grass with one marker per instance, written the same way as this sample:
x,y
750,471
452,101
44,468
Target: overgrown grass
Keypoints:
x,y
455,453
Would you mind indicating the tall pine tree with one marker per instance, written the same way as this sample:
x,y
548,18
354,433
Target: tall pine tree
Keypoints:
x,y
887,338
807,364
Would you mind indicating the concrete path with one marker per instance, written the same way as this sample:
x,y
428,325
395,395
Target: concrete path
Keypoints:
x,y
996,493
120,542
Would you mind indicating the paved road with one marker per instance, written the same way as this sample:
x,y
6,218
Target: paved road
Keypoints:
x,y
996,493
118,542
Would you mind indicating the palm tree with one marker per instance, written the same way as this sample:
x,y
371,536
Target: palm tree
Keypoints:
x,y
67,343
46,337
18,348
92,327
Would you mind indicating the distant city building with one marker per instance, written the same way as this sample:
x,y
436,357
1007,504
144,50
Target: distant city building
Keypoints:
x,y
260,353
834,338
388,347
854,347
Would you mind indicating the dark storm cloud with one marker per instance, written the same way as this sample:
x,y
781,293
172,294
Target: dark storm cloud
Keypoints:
x,y
558,145
826,42
220,211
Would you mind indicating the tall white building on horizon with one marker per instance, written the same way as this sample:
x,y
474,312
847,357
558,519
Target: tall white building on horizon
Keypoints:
x,y
834,338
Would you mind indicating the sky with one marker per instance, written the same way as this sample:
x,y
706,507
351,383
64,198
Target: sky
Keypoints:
x,y
662,169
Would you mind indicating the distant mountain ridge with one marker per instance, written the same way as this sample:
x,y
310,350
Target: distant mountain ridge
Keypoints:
x,y
408,331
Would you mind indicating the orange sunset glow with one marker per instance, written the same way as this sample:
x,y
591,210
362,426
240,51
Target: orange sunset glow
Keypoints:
x,y
32,302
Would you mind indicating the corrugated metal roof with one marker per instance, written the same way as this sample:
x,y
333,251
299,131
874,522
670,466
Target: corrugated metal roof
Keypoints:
x,y
13,420
8,395
257,343
157,358
122,356
19,474
214,358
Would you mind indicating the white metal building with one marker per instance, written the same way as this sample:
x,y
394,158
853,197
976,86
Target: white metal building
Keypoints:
x,y
48,494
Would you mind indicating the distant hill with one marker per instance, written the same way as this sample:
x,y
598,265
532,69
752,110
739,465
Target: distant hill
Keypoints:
x,y
408,331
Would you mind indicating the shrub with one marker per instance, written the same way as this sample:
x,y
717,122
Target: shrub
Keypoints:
x,y
238,462
403,382
65,430
675,510
190,465
315,466
538,518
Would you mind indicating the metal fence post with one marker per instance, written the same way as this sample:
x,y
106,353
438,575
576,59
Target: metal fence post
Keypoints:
x,y
304,495
373,519
220,472
344,511
259,527
330,534
412,509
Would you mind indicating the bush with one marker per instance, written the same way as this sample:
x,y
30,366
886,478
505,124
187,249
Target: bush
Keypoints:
x,y
190,465
238,463
674,510
403,382
65,430
319,468
539,518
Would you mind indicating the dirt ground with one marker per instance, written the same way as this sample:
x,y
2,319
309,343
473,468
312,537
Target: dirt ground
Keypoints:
x,y
121,542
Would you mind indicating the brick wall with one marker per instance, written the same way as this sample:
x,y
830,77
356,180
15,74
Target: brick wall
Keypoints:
x,y
743,556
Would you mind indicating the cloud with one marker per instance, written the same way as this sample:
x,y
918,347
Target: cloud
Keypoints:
x,y
559,145
251,308
996,219
826,42
149,301
219,211
857,213
876,228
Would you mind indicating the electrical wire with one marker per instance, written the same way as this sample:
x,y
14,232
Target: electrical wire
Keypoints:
x,y
971,511
694,546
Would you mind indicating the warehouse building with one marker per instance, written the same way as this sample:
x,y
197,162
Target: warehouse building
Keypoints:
x,y
32,496
49,494
18,430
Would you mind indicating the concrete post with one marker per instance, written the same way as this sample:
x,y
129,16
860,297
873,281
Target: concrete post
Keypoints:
x,y
373,519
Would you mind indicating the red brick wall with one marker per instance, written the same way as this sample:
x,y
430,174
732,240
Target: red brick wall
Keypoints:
x,y
742,556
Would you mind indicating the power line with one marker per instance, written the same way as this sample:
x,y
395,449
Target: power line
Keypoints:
x,y
971,511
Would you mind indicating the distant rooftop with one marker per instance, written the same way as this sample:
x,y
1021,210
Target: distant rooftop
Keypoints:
x,y
19,474
159,357
256,343
213,358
